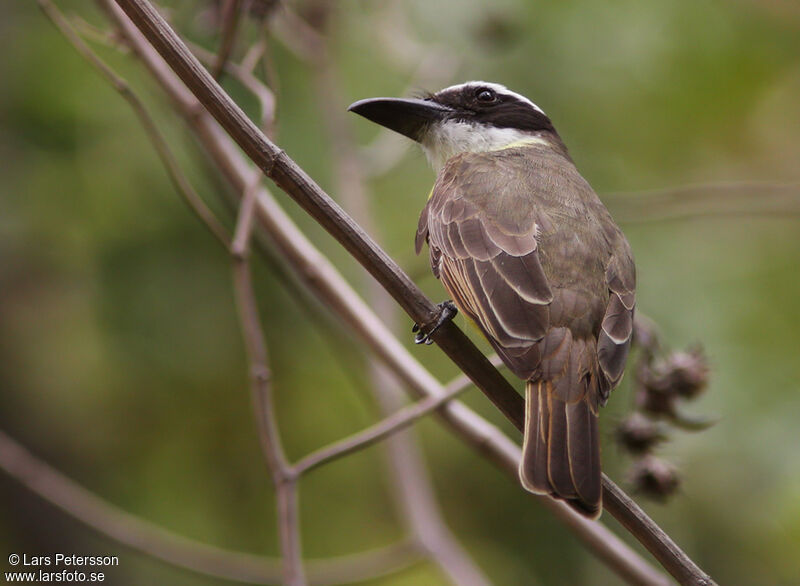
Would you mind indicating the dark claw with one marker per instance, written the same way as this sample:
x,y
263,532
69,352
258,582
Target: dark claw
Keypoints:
x,y
421,338
447,311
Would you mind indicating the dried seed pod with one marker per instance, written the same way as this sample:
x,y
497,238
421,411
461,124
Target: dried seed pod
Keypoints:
x,y
689,372
654,395
678,374
639,434
655,478
684,373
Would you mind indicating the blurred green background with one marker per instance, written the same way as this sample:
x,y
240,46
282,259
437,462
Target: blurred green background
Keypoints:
x,y
121,361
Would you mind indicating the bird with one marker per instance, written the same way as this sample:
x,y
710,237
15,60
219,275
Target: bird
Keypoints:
x,y
529,253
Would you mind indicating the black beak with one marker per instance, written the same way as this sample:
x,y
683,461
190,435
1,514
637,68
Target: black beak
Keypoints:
x,y
409,117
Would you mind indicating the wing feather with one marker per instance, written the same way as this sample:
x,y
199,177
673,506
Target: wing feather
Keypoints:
x,y
530,254
614,339
492,269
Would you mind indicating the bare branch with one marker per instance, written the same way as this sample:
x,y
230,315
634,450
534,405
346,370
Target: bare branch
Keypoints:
x,y
732,199
365,566
244,75
256,52
240,247
285,485
282,477
231,12
282,474
154,541
179,180
90,32
375,433
323,279
296,34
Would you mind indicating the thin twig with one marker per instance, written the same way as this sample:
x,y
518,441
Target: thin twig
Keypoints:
x,y
240,246
285,485
281,472
255,86
152,540
719,189
179,180
90,32
397,421
296,35
322,279
256,51
231,13
282,477
703,200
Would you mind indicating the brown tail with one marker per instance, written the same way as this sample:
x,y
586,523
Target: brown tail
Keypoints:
x,y
561,450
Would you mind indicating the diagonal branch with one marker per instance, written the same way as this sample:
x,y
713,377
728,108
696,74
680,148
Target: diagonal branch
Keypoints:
x,y
373,565
160,544
324,281
277,165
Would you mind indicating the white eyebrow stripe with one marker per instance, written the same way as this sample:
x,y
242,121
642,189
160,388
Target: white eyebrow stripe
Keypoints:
x,y
500,89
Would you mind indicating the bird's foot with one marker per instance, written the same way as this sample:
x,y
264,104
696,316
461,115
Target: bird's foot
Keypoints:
x,y
447,311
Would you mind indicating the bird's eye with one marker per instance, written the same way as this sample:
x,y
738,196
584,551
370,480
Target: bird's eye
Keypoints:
x,y
485,95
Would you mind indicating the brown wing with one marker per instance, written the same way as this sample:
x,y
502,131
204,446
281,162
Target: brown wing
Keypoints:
x,y
616,332
529,253
486,254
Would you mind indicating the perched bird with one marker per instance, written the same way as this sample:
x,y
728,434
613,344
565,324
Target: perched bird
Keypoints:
x,y
529,253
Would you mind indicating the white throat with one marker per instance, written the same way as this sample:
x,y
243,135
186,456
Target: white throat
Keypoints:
x,y
450,138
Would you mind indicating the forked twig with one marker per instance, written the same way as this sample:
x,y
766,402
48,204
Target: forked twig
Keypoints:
x,y
255,86
281,472
135,533
392,424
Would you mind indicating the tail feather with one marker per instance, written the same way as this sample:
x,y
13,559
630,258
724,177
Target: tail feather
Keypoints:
x,y
584,453
558,460
561,451
533,465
